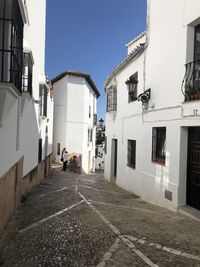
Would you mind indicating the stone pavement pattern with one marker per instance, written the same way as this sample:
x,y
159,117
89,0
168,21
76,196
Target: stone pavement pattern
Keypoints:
x,y
82,220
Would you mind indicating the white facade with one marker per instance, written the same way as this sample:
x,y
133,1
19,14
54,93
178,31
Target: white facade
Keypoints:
x,y
161,67
75,106
26,103
21,125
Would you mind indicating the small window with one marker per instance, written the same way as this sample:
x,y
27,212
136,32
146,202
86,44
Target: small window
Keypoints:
x,y
90,136
43,100
159,144
105,147
131,155
89,111
111,104
132,84
58,148
27,73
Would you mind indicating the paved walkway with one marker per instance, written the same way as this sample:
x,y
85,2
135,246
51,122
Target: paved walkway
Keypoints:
x,y
82,220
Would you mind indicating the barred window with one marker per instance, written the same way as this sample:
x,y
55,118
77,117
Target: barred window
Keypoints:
x,y
159,144
111,99
11,43
131,153
43,100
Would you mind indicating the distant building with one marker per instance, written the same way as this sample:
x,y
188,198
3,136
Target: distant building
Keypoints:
x,y
75,116
26,104
153,144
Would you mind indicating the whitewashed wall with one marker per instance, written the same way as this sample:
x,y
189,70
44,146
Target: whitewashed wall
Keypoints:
x,y
126,124
21,129
170,41
73,96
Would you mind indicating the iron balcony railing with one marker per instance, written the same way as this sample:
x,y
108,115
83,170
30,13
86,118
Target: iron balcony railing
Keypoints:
x,y
11,43
191,81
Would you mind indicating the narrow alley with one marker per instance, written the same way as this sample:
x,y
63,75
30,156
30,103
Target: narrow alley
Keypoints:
x,y
82,220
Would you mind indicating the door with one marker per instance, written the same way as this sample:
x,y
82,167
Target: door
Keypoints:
x,y
193,173
114,160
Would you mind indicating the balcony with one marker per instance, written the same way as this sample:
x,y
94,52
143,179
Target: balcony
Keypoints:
x,y
11,44
191,82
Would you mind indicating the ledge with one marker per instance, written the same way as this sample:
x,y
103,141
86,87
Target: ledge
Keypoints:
x,y
190,212
8,97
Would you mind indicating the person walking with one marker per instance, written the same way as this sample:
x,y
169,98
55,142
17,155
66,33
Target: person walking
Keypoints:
x,y
65,160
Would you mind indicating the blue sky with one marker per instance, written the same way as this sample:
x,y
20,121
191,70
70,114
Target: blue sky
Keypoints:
x,y
90,36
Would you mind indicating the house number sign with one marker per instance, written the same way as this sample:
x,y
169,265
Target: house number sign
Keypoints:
x,y
195,111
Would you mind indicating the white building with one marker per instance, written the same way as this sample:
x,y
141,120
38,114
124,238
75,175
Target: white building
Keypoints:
x,y
75,105
26,107
153,148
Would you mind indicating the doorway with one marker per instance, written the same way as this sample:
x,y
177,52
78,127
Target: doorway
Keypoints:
x,y
193,168
114,161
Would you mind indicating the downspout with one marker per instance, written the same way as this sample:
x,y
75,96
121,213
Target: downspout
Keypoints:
x,y
145,51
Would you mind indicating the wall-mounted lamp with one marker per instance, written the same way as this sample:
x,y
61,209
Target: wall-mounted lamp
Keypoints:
x,y
132,87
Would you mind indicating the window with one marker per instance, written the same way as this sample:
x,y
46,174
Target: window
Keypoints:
x,y
132,84
94,119
11,43
27,73
159,144
90,135
105,147
89,111
43,100
111,99
131,155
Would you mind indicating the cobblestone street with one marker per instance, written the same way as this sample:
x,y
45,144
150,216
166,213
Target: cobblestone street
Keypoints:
x,y
82,220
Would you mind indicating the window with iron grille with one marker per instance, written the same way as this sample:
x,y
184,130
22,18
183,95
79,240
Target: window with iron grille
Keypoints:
x,y
131,153
43,100
27,73
159,144
111,104
11,43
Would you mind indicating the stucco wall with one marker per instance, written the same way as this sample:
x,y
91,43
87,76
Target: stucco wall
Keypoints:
x,y
169,46
73,96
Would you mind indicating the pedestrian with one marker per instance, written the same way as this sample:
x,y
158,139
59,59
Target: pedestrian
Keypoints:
x,y
65,160
62,153
78,164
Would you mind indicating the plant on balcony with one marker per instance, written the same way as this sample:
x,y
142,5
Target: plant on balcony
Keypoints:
x,y
191,93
